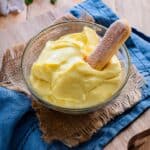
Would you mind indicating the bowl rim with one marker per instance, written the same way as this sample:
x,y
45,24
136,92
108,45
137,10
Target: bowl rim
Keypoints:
x,y
74,110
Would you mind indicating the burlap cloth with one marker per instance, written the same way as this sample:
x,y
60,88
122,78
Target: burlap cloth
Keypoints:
x,y
69,129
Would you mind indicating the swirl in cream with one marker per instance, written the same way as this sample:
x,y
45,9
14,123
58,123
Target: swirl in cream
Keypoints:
x,y
63,78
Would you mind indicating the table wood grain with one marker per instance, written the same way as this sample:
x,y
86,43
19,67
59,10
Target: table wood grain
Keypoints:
x,y
136,11
37,16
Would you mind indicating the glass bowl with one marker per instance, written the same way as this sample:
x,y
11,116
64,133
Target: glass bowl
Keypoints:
x,y
37,43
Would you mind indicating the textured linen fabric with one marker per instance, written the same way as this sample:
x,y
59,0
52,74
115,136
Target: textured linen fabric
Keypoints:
x,y
19,128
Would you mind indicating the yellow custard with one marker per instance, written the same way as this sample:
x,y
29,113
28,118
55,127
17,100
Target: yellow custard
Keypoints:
x,y
61,76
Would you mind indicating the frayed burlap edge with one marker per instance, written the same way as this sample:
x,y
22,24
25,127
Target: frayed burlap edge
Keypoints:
x,y
69,129
72,130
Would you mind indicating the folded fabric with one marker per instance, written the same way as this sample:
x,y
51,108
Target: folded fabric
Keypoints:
x,y
18,124
11,6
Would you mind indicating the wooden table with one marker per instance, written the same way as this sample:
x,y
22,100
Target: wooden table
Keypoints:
x,y
136,11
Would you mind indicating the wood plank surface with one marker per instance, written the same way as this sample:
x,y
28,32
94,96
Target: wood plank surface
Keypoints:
x,y
40,15
12,19
23,32
38,7
45,6
120,142
136,11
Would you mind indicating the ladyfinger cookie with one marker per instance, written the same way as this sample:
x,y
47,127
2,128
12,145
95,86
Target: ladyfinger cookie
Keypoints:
x,y
113,39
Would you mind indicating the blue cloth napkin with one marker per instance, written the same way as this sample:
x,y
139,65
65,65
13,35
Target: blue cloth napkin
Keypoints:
x,y
19,128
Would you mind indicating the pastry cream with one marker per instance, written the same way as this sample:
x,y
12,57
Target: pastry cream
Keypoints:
x,y
63,78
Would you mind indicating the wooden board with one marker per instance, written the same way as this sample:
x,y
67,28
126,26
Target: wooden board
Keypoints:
x,y
11,33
